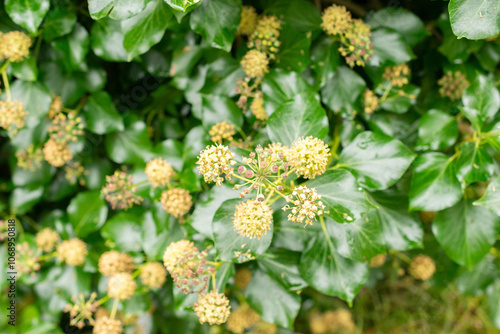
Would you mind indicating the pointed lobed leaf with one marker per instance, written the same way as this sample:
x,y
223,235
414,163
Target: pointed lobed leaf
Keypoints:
x,y
474,19
491,200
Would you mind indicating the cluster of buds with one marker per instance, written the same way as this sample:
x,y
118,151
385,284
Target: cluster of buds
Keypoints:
x,y
159,172
106,325
357,47
306,205
378,260
213,308
14,46
121,286
422,267
113,262
74,172
338,321
47,239
26,259
248,21
255,64
257,107
221,131
251,92
29,159
215,161
12,116
242,277
336,20
82,310
57,154
73,252
266,35
264,328
120,192
55,107
309,157
153,275
66,129
253,218
453,85
187,266
176,201
243,318
370,101
398,75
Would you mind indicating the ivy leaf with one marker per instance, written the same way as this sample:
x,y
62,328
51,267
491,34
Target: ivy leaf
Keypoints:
x,y
325,270
376,160
474,19
493,296
36,99
217,21
481,101
217,109
475,281
389,47
491,200
21,200
181,5
65,85
87,212
434,185
342,90
302,116
324,60
106,40
123,232
436,131
283,266
293,53
25,70
230,245
101,115
474,164
300,14
28,14
146,29
73,49
59,22
271,300
343,198
115,9
397,103
130,146
466,232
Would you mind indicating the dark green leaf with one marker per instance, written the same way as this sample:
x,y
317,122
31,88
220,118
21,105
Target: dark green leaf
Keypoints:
x,y
36,99
474,164
65,85
25,70
293,52
21,200
115,9
389,47
59,22
106,39
342,90
73,49
123,231
481,101
182,5
491,200
101,115
300,14
28,14
475,281
284,268
87,212
130,146
474,19
324,60
216,109
436,131
397,103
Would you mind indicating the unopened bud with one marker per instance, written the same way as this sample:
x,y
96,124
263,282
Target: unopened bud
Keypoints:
x,y
275,168
280,188
249,173
241,169
260,198
259,149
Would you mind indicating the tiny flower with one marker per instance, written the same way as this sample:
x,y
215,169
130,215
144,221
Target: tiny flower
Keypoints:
x,y
27,259
176,201
338,321
73,252
82,310
74,172
255,64
56,154
46,239
159,172
357,47
453,85
257,108
309,156
422,267
14,46
248,21
221,131
252,218
30,158
153,274
106,325
12,116
113,262
121,286
66,129
242,278
266,34
370,101
55,107
215,161
336,20
378,260
244,317
397,75
120,192
305,205
213,308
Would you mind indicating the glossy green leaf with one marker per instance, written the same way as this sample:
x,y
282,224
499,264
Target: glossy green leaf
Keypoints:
x,y
101,115
216,109
65,85
294,48
21,200
36,99
434,185
87,212
182,5
115,9
123,231
230,245
106,40
475,281
342,90
436,131
377,161
28,14
130,146
493,297
73,49
397,103
491,200
283,267
345,201
481,101
474,19
466,232
59,22
25,70
300,14
390,48
304,116
217,21
324,60
474,164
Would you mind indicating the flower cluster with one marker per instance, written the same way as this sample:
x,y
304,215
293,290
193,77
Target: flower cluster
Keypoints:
x,y
121,286
244,317
82,310
153,274
306,205
26,259
213,308
397,75
309,157
422,267
57,154
370,101
73,252
106,325
357,47
257,107
113,262
215,161
159,172
266,34
338,321
255,64
66,128
176,201
378,260
120,191
12,116
46,239
14,46
187,266
453,85
248,21
242,277
336,20
221,131
74,172
55,107
252,218
30,158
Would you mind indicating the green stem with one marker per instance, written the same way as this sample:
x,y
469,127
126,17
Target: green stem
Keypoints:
x,y
4,66
6,83
113,310
47,256
103,300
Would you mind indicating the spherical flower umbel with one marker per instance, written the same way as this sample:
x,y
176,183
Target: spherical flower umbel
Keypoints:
x,y
66,128
74,172
12,116
186,265
121,286
397,75
309,157
113,262
266,34
255,64
153,274
56,154
29,158
338,321
336,20
215,161
106,325
244,317
55,107
176,201
370,101
159,172
73,252
378,260
120,191
46,239
213,308
422,267
306,205
14,46
453,85
82,310
242,277
257,108
248,21
357,47
221,131
252,218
